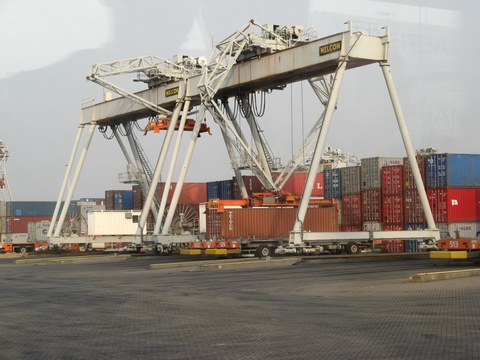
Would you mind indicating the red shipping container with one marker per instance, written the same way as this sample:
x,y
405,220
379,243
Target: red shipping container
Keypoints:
x,y
392,209
408,181
413,210
252,185
352,212
192,193
371,205
296,183
454,204
267,223
19,224
393,246
392,179
350,228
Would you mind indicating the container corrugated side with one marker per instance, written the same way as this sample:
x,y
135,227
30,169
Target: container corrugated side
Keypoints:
x,y
296,184
371,205
19,224
332,180
352,212
266,223
192,193
123,200
370,170
392,210
350,180
252,185
392,180
463,229
35,208
408,180
413,209
372,226
453,170
113,222
37,231
454,204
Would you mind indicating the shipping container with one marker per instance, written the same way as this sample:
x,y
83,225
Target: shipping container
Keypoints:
x,y
352,212
392,227
370,172
350,180
266,223
415,226
371,205
113,222
413,209
252,185
192,193
393,246
372,226
454,204
392,180
459,230
453,170
37,231
392,210
296,183
118,200
411,246
36,208
408,181
222,189
332,183
19,224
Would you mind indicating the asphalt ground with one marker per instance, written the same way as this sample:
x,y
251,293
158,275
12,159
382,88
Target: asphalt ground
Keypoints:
x,y
321,309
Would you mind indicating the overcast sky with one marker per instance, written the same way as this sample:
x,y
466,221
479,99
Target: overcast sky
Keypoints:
x,y
48,48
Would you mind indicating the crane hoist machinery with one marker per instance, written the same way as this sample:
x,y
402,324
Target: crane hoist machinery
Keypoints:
x,y
252,62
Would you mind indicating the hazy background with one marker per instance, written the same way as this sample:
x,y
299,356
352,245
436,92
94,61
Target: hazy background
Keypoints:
x,y
48,47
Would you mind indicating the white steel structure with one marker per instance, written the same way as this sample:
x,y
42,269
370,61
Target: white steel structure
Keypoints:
x,y
255,59
6,192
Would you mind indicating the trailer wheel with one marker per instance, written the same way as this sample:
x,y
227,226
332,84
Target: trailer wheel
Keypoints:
x,y
159,249
352,248
263,251
23,250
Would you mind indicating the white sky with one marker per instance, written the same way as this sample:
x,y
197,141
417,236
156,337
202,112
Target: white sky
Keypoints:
x,y
34,34
48,47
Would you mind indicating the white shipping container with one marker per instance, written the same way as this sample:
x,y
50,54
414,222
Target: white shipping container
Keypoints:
x,y
113,222
459,230
372,226
37,231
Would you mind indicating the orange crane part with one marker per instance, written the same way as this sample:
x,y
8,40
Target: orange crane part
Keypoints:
x,y
158,124
267,200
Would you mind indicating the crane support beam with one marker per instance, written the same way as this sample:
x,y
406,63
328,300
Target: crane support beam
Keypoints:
x,y
303,61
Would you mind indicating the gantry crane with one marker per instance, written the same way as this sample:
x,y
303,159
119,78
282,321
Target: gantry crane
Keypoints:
x,y
256,59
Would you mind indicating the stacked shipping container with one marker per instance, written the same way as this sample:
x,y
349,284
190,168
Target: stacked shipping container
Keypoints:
x,y
351,201
453,191
392,197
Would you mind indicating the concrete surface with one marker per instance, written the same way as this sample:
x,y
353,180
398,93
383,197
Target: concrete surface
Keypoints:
x,y
313,310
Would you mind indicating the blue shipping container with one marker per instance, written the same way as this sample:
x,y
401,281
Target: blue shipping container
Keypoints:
x,y
222,189
123,200
453,170
35,208
332,183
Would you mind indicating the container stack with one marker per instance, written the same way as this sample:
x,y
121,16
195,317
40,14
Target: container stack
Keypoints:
x,y
118,200
453,191
392,197
413,211
351,201
371,189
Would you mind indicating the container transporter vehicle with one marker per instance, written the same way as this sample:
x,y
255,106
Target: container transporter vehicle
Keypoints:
x,y
255,60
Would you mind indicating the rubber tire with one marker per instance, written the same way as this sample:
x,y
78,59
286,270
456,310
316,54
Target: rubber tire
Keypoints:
x,y
159,249
352,248
23,250
263,251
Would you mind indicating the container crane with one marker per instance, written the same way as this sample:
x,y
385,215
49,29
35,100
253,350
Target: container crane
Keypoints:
x,y
254,59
